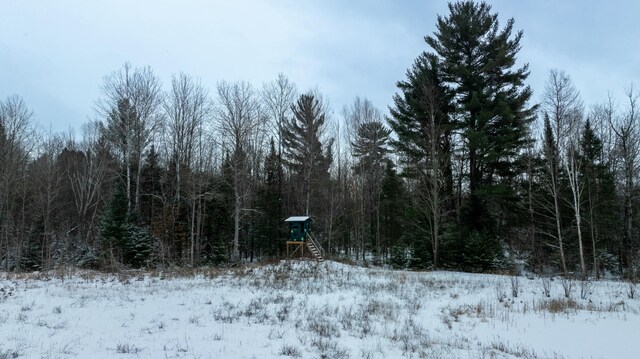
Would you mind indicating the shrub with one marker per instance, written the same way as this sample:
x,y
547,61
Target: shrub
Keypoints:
x,y
127,348
290,351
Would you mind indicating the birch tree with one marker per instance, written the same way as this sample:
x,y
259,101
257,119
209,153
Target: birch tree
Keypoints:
x,y
130,104
278,96
187,108
562,108
239,119
573,168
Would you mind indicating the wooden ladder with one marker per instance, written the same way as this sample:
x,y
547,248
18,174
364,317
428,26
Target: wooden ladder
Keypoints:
x,y
315,248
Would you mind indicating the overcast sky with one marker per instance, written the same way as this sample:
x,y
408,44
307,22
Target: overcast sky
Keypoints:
x,y
55,53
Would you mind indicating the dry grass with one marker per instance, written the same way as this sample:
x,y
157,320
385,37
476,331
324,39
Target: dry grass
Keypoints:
x,y
557,305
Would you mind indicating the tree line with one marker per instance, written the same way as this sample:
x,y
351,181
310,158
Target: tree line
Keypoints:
x,y
466,172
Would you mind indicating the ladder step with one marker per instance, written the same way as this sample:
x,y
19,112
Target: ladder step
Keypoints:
x,y
314,251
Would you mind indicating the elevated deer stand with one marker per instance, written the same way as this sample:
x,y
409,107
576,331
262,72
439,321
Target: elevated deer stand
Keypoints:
x,y
300,236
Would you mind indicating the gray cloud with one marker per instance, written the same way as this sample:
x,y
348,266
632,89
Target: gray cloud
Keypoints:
x,y
55,54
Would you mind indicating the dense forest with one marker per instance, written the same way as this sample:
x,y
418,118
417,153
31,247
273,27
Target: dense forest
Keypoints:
x,y
466,172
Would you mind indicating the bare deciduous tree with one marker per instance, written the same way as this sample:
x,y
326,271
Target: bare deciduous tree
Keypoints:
x,y
87,170
601,116
187,108
627,138
369,145
278,96
436,135
17,143
239,122
46,183
563,109
130,104
573,168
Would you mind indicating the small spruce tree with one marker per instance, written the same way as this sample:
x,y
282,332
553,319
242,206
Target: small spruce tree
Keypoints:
x,y
32,252
122,240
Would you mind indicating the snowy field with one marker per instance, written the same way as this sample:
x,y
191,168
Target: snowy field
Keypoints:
x,y
310,310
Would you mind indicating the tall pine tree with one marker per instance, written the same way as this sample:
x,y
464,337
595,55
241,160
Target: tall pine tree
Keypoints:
x,y
421,119
492,115
307,153
269,205
393,203
370,148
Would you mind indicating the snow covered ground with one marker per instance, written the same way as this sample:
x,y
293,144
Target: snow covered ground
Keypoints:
x,y
310,310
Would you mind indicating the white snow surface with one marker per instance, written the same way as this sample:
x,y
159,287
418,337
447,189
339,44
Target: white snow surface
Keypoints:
x,y
304,309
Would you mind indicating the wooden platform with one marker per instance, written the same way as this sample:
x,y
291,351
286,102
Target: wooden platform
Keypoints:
x,y
296,248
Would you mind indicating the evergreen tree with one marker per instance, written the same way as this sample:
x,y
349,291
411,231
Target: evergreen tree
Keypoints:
x,y
422,93
218,227
600,198
393,204
151,188
370,150
122,240
480,253
422,121
307,154
270,205
113,226
491,111
119,130
138,246
32,252
370,146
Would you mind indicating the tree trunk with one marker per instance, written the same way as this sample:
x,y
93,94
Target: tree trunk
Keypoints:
x,y
559,229
593,233
573,170
193,229
128,165
583,267
138,180
236,220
